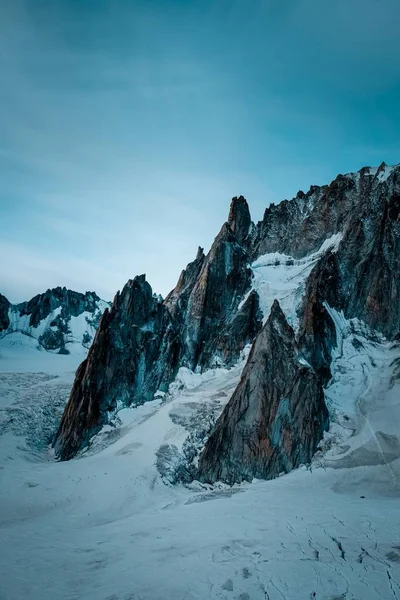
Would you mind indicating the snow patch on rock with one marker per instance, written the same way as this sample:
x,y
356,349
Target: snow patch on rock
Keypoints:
x,y
282,277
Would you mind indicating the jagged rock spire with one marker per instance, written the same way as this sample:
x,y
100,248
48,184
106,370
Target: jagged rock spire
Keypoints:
x,y
135,353
276,416
239,218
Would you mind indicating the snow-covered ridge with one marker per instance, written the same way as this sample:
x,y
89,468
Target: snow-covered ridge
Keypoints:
x,y
59,330
382,173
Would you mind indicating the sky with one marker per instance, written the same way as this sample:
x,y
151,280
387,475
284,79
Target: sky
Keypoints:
x,y
127,126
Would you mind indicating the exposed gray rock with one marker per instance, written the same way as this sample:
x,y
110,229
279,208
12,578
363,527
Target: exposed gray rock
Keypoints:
x,y
299,226
239,219
317,335
365,208
52,340
369,257
225,348
276,416
206,299
135,352
177,300
222,281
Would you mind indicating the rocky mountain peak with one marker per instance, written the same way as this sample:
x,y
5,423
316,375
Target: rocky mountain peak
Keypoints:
x,y
239,218
200,253
381,167
276,416
136,300
135,353
221,282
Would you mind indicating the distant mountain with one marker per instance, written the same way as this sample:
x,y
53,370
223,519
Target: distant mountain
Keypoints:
x,y
57,319
336,247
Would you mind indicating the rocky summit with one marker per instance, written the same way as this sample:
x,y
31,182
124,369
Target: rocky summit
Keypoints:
x,y
344,237
276,416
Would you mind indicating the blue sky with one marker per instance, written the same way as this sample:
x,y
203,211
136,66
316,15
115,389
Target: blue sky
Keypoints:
x,y
126,127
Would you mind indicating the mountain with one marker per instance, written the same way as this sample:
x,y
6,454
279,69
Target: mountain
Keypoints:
x,y
276,351
58,319
334,248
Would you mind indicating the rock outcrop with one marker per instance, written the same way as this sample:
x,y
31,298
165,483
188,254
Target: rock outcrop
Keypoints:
x,y
362,278
226,346
178,299
276,416
369,258
221,283
364,207
317,335
135,352
239,219
299,227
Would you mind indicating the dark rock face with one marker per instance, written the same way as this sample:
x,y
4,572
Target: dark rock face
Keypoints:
x,y
276,416
53,340
204,303
236,334
298,227
135,353
370,258
365,208
177,300
221,283
317,336
239,219
4,319
362,279
206,299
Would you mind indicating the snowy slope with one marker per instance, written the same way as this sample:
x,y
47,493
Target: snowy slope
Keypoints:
x,y
109,526
280,276
20,353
